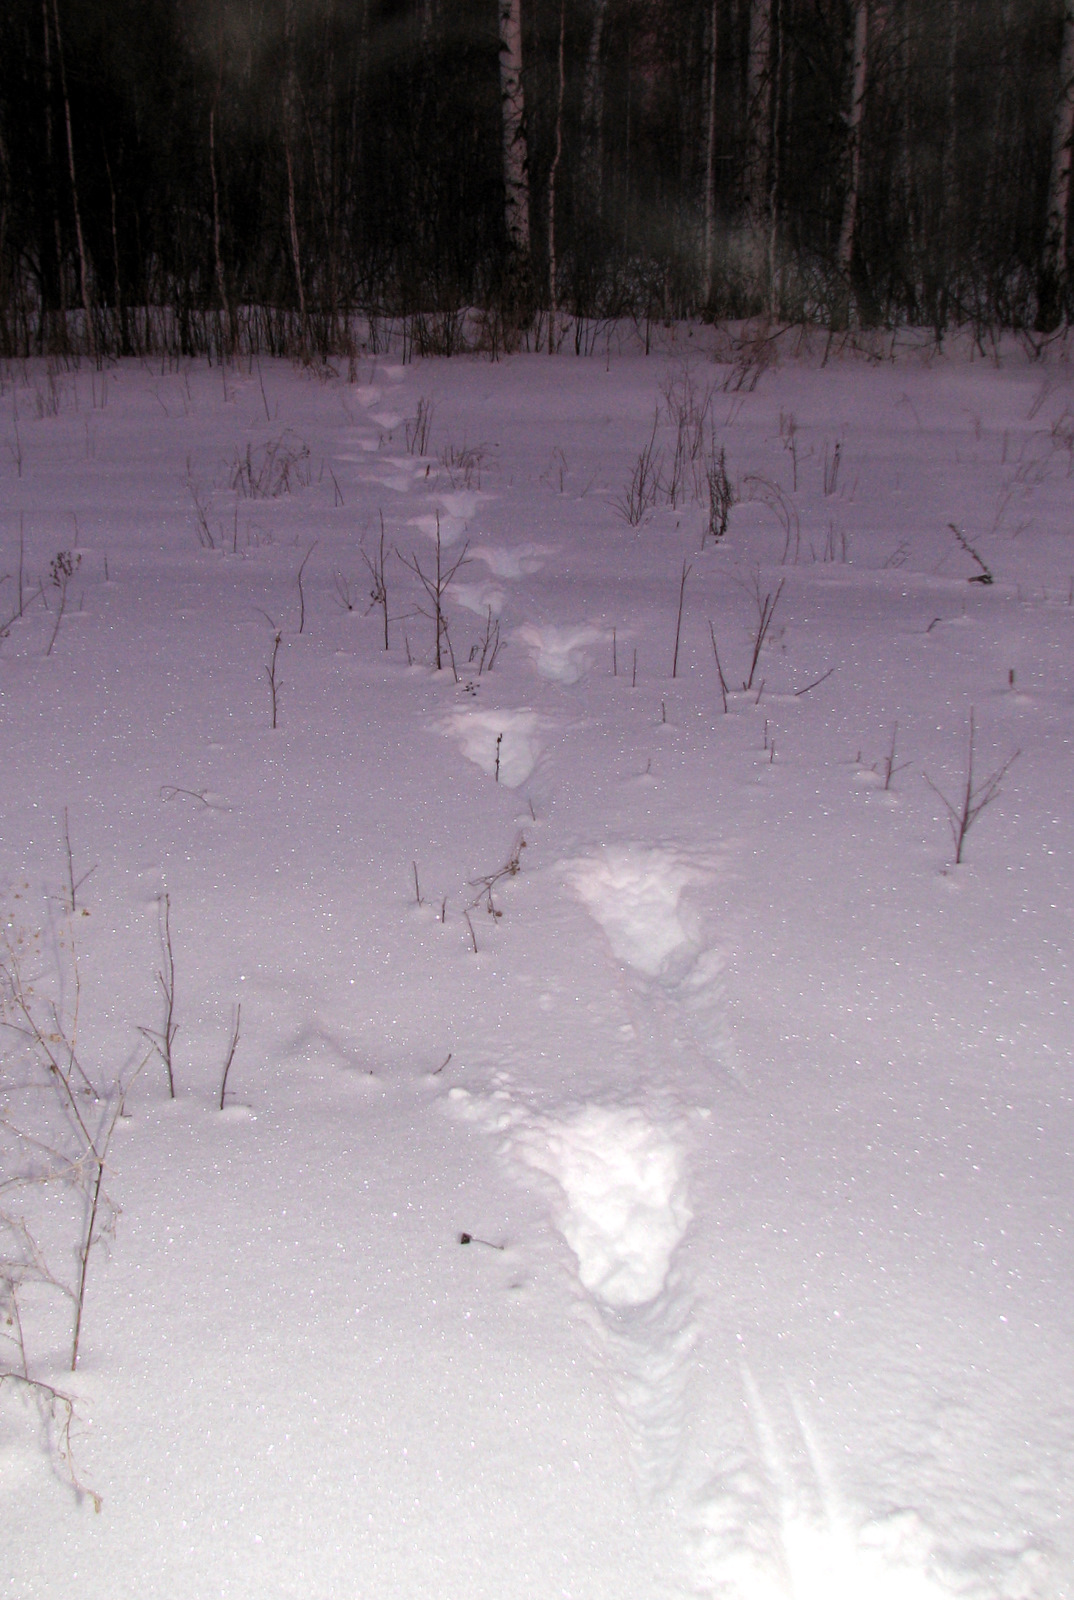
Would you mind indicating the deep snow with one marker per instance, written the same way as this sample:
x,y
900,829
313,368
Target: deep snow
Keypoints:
x,y
756,1110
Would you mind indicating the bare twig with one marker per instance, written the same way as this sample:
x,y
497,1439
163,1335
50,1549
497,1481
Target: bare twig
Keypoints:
x,y
164,1039
686,571
719,669
985,575
416,428
63,568
644,488
73,886
301,591
486,886
889,767
378,594
766,606
963,813
60,1409
232,1047
270,673
435,584
816,683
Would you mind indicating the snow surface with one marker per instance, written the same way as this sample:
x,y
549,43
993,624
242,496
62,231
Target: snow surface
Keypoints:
x,y
755,1111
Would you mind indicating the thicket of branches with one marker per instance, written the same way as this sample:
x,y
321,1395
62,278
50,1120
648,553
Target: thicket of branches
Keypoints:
x,y
229,174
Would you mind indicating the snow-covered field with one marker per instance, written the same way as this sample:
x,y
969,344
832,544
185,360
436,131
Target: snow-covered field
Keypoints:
x,y
753,1110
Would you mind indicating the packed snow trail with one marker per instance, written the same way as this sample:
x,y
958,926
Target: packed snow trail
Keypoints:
x,y
756,1113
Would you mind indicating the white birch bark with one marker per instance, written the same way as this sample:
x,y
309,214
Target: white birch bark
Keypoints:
x,y
859,83
515,153
1057,220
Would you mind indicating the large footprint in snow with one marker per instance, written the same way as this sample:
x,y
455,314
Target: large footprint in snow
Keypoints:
x,y
635,895
560,654
504,744
617,1188
511,563
620,1196
452,516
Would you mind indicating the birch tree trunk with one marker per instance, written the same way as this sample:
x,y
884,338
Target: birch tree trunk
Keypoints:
x,y
859,82
516,181
1054,275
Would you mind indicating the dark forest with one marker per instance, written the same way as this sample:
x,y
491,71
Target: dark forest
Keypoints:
x,y
227,175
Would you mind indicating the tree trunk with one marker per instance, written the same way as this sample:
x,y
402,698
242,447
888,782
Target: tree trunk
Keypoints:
x,y
221,283
516,178
758,157
772,274
859,82
592,173
83,265
552,173
1054,275
290,96
710,158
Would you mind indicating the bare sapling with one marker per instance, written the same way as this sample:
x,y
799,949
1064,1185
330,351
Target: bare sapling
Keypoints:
x,y
16,448
721,495
788,432
766,608
345,591
719,669
272,675
975,796
436,584
378,592
889,766
229,1058
831,467
644,489
76,1153
301,590
63,568
686,571
73,883
276,468
416,428
483,654
163,1039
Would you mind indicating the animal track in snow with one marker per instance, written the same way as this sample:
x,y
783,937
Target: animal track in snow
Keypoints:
x,y
635,895
479,597
452,514
621,1196
395,472
505,744
515,563
560,654
616,1187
